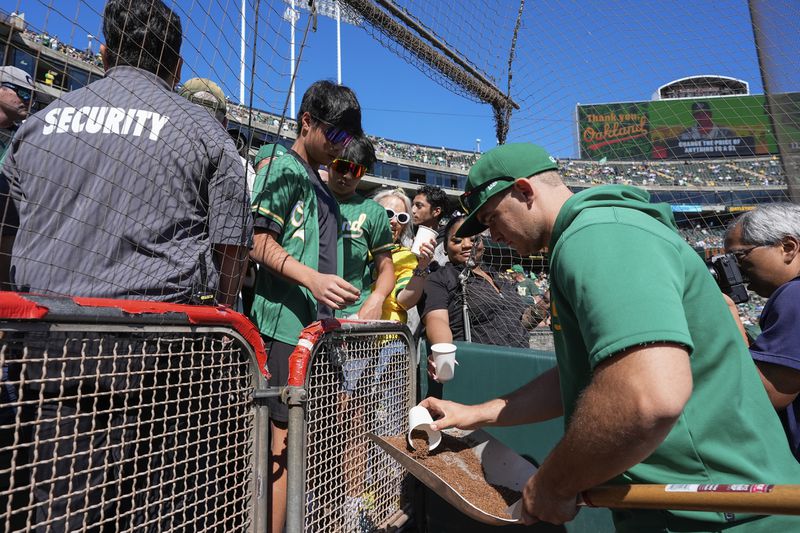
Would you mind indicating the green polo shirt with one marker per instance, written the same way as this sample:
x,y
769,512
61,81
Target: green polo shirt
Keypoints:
x,y
621,277
365,232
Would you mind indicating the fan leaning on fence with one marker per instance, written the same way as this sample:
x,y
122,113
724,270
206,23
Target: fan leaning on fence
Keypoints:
x,y
653,379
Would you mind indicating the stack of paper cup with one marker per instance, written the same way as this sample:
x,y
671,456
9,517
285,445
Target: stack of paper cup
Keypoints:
x,y
444,357
419,419
424,234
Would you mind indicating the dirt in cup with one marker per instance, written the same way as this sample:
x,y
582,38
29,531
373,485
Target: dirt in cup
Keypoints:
x,y
454,461
419,438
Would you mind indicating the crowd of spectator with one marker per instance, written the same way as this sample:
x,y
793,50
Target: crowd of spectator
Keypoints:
x,y
428,155
759,172
52,42
704,237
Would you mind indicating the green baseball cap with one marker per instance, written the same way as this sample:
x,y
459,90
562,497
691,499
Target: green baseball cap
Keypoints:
x,y
495,172
518,269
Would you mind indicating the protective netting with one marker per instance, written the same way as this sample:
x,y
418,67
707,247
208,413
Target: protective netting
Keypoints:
x,y
356,384
125,429
682,114
127,189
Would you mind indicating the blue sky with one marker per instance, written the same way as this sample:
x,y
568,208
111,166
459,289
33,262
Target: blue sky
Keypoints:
x,y
568,52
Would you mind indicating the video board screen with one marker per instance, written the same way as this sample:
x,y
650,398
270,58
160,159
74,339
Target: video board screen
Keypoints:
x,y
733,126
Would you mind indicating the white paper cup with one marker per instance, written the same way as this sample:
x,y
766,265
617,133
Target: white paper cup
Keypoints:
x,y
424,234
420,419
444,357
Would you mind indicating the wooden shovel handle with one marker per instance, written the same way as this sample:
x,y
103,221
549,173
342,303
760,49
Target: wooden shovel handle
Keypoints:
x,y
752,498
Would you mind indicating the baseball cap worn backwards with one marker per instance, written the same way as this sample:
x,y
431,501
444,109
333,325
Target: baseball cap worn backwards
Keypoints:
x,y
495,172
16,76
206,93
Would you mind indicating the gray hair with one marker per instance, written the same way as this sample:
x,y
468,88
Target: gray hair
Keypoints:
x,y
768,223
407,236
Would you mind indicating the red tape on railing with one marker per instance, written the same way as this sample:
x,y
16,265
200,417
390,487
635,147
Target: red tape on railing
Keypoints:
x,y
298,361
16,307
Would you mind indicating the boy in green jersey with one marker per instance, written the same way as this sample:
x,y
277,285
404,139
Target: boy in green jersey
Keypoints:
x,y
365,231
296,221
653,379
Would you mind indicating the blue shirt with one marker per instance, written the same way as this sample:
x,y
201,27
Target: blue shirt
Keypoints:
x,y
779,344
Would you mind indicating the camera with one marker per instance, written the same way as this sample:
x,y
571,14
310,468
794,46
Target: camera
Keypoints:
x,y
726,273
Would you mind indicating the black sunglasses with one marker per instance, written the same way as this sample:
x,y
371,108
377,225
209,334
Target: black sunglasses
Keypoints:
x,y
23,93
469,198
402,218
343,166
335,134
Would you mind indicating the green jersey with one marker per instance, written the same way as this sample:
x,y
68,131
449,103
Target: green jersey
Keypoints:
x,y
365,232
286,202
622,277
527,289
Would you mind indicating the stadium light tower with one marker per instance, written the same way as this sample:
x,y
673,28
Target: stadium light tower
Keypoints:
x,y
334,10
241,55
291,14
477,146
90,38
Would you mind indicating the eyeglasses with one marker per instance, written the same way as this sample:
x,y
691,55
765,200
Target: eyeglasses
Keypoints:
x,y
744,252
23,93
470,198
335,134
402,218
343,166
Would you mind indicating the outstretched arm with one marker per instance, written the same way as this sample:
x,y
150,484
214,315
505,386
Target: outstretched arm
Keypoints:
x,y
624,414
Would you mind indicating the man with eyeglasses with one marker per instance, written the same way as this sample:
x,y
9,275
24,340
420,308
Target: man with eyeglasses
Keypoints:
x,y
365,234
766,244
297,221
16,91
652,378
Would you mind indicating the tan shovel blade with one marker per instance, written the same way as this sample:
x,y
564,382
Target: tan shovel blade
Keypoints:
x,y
501,465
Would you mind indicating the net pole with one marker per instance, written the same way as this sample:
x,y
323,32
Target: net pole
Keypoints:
x,y
782,107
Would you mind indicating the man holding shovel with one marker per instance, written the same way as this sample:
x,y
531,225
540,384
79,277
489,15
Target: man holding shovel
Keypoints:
x,y
653,379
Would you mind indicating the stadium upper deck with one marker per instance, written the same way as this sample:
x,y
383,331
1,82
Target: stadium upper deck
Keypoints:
x,y
58,67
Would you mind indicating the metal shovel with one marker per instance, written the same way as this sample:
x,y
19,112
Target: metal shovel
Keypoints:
x,y
501,466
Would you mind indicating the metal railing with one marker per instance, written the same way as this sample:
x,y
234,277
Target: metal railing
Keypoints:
x,y
130,416
346,379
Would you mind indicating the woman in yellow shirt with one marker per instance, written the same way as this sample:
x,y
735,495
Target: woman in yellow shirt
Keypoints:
x,y
410,271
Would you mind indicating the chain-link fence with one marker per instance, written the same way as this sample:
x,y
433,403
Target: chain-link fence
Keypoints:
x,y
134,417
348,379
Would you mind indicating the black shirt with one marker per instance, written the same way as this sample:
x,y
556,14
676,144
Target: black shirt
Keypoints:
x,y
495,318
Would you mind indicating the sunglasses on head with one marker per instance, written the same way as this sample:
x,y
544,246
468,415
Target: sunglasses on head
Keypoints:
x,y
343,166
23,93
334,134
402,218
470,199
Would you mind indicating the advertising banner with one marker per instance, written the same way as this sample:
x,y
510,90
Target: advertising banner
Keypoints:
x,y
733,126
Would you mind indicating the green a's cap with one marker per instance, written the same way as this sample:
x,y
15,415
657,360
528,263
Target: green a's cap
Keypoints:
x,y
518,269
269,150
495,172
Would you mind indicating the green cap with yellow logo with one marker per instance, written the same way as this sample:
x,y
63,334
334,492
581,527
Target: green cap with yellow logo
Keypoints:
x,y
495,172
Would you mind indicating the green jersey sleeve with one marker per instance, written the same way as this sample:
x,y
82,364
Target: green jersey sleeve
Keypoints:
x,y
625,288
